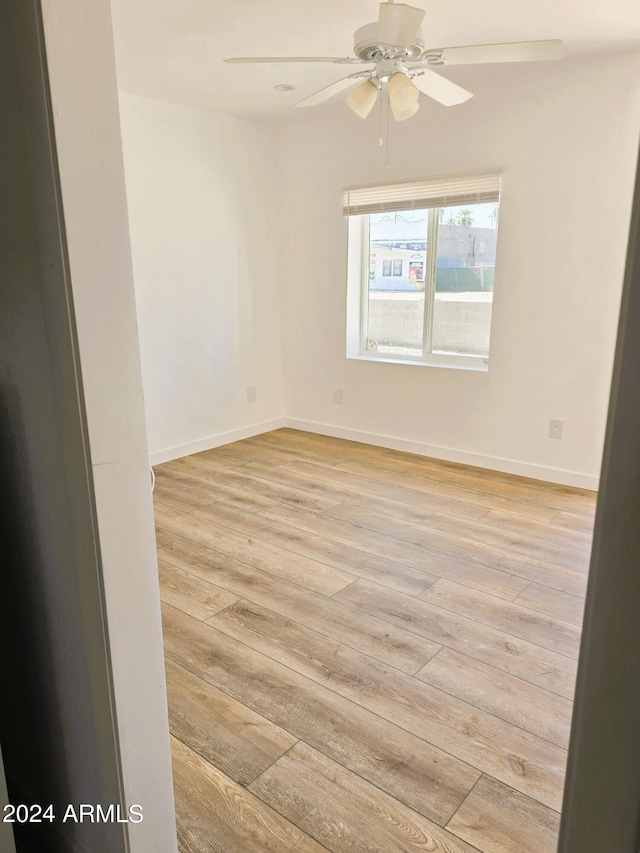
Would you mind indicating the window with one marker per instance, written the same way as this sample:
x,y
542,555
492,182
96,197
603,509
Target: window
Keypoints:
x,y
420,270
390,267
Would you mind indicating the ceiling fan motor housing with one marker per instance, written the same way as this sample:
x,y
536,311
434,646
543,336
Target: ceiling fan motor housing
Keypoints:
x,y
367,47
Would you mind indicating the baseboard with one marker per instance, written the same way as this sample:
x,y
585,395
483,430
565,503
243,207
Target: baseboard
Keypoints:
x,y
449,454
160,456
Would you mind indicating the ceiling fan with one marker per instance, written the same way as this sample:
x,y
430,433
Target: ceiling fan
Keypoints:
x,y
393,52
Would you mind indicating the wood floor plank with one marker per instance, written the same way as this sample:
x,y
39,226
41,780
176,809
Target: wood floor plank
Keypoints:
x,y
412,540
489,645
488,479
366,633
366,483
574,521
559,605
519,489
416,773
514,619
185,484
345,813
374,456
331,487
166,495
537,530
170,478
539,548
204,474
245,451
542,505
217,815
228,460
227,734
194,596
328,450
335,452
288,565
520,759
375,540
347,558
496,819
513,485
516,701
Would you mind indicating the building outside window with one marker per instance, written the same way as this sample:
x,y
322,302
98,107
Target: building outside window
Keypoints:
x,y
421,270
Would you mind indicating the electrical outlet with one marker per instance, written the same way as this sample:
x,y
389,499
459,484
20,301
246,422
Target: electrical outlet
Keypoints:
x,y
338,396
555,428
251,394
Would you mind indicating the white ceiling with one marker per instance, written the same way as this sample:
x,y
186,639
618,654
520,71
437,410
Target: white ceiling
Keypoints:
x,y
172,50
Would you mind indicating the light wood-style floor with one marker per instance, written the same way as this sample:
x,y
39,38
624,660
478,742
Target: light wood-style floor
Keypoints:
x,y
367,650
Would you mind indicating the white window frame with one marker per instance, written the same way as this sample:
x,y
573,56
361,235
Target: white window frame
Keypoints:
x,y
450,192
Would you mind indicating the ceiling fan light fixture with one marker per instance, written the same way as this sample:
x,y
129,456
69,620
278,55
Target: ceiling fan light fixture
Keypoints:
x,y
403,94
362,99
403,115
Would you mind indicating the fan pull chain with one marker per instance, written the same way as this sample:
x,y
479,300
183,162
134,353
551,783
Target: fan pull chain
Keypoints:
x,y
387,161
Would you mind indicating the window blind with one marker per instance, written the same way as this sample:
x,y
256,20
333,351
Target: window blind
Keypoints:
x,y
419,195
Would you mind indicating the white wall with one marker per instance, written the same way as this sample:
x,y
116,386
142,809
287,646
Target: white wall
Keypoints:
x,y
84,97
203,205
566,136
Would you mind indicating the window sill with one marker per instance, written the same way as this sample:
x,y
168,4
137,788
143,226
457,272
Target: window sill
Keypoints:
x,y
460,362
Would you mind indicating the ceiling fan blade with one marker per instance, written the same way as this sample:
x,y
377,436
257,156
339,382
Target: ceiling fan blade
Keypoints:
x,y
398,23
330,90
340,60
517,51
440,89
